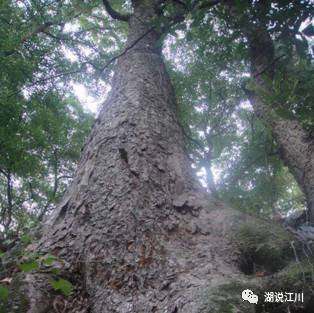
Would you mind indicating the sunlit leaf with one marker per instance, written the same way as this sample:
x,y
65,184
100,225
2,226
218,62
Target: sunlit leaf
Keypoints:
x,y
29,266
62,285
4,293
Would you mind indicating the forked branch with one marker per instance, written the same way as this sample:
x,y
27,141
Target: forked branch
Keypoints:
x,y
115,14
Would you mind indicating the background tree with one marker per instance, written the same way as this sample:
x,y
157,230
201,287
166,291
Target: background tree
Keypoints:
x,y
251,149
294,140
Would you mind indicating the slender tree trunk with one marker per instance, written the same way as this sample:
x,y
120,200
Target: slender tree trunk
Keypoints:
x,y
295,144
210,179
209,173
208,159
7,209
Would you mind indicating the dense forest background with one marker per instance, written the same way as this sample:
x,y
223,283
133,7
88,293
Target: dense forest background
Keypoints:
x,y
241,71
48,46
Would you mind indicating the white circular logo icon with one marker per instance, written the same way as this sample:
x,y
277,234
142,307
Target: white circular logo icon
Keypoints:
x,y
248,295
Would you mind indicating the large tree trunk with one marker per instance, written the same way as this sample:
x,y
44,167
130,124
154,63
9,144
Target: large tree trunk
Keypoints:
x,y
135,232
295,144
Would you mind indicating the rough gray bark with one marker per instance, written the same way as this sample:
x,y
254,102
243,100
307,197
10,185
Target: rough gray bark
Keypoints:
x,y
131,223
131,226
135,231
295,144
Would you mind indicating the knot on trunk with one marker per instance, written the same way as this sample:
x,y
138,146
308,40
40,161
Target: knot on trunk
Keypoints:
x,y
190,202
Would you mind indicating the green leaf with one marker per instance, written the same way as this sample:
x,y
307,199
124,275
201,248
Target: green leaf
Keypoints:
x,y
55,271
26,239
29,266
284,113
62,285
49,260
4,293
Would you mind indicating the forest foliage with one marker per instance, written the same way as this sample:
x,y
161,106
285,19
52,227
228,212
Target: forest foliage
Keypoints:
x,y
47,46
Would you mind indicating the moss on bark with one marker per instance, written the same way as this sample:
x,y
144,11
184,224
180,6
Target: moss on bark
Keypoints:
x,y
294,278
18,301
263,247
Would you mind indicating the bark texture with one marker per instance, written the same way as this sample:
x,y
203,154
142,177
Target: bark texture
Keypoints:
x,y
135,231
131,229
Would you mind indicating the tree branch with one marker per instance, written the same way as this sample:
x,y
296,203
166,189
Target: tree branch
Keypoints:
x,y
9,208
160,6
65,177
37,30
247,166
39,81
3,172
191,139
182,3
127,48
114,14
204,5
268,66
